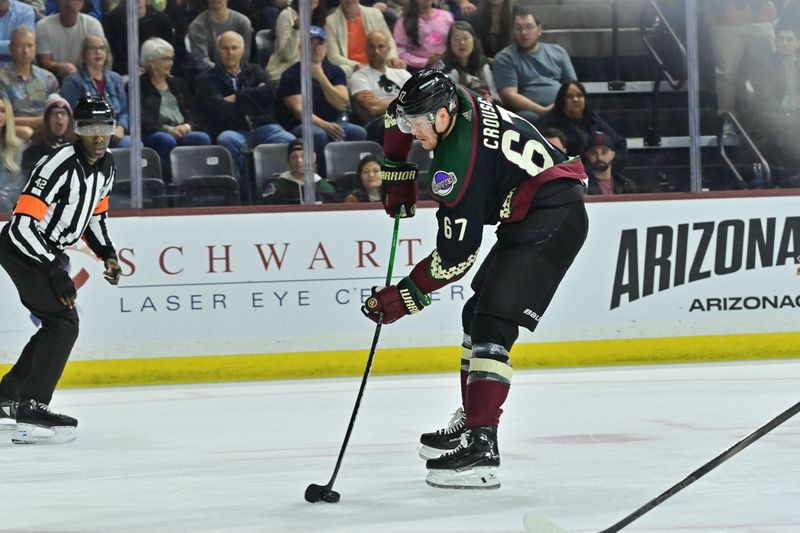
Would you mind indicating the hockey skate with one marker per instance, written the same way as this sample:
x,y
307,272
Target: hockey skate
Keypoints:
x,y
472,465
37,424
441,441
8,415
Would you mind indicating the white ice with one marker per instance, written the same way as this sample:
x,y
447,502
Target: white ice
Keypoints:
x,y
583,447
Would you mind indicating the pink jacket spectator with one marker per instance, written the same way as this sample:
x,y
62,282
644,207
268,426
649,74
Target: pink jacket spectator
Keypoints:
x,y
433,30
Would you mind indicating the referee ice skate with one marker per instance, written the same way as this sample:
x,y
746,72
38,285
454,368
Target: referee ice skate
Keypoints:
x,y
490,166
65,199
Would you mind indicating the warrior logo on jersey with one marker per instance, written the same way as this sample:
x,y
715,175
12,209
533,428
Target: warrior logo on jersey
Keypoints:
x,y
443,182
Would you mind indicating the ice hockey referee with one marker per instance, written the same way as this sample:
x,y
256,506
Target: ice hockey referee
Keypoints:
x,y
65,199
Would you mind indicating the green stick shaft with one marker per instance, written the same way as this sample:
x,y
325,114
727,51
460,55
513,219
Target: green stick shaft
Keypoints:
x,y
370,358
394,249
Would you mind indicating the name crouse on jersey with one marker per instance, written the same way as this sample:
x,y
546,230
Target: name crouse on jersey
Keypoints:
x,y
487,170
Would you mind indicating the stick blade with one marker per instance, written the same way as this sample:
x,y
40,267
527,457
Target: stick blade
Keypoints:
x,y
536,523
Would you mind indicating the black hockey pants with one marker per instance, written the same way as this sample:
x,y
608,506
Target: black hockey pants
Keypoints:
x,y
39,367
519,277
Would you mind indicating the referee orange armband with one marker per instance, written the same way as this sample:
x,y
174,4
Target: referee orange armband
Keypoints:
x,y
31,206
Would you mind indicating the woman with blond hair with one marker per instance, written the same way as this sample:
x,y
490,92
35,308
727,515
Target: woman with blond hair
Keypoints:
x,y
11,181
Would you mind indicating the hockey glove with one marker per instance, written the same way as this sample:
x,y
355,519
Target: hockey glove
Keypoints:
x,y
399,178
389,304
62,284
400,188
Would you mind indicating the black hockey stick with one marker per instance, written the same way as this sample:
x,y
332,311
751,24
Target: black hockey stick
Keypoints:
x,y
539,524
316,493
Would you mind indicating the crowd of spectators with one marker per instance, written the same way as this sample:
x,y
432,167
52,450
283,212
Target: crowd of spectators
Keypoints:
x,y
201,82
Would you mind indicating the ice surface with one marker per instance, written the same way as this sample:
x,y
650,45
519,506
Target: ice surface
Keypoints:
x,y
584,447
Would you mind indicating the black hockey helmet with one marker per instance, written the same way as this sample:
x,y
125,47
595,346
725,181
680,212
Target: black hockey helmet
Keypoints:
x,y
425,92
422,96
94,116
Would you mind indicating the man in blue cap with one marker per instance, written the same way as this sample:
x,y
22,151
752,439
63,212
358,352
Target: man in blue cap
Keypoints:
x,y
330,98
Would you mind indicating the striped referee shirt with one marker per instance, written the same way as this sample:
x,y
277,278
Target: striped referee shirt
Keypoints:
x,y
65,199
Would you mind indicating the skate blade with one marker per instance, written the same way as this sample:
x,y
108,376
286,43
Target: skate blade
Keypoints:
x,y
426,452
31,434
479,478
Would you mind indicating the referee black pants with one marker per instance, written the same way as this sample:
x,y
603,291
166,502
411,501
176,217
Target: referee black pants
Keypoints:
x,y
39,367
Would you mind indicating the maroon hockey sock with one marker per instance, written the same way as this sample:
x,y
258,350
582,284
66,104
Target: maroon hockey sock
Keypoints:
x,y
483,402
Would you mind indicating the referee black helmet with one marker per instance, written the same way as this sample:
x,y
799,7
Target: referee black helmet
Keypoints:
x,y
94,116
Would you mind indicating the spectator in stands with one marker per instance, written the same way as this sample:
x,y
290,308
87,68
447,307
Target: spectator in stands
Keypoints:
x,y
152,23
12,15
465,62
738,27
287,37
555,137
59,37
775,104
462,9
347,28
330,98
25,84
241,104
38,8
375,86
94,8
288,187
369,187
421,34
56,131
210,24
167,107
95,78
492,22
572,115
389,9
265,13
11,179
529,73
599,162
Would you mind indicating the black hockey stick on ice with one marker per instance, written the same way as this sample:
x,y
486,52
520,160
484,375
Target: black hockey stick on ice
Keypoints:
x,y
539,524
316,493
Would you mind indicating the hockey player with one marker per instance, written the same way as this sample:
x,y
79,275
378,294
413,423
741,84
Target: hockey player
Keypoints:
x,y
489,166
65,199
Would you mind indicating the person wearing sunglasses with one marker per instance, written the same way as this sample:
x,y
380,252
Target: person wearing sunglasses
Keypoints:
x,y
373,87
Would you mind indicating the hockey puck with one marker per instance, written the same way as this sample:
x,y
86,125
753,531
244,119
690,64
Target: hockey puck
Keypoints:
x,y
316,493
